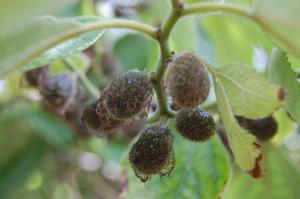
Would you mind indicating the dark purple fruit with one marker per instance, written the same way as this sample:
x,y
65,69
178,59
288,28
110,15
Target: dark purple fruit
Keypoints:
x,y
188,81
195,124
36,77
264,128
60,90
152,153
128,94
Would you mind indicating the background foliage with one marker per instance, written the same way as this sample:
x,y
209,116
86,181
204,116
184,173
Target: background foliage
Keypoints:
x,y
47,156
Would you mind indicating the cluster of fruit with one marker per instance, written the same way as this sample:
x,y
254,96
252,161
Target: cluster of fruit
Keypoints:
x,y
59,91
130,95
126,102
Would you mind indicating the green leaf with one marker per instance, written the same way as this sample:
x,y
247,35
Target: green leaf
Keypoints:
x,y
233,38
282,179
202,171
15,14
250,94
44,34
27,116
280,72
53,130
20,166
285,125
243,145
280,18
178,36
80,60
134,51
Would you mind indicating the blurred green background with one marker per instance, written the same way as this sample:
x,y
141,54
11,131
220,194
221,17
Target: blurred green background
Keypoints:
x,y
45,155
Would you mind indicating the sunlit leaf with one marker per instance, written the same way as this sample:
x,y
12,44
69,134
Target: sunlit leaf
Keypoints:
x,y
250,93
282,179
243,145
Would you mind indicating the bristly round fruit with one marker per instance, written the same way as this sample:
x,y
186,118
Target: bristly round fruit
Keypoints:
x,y
195,124
106,121
152,153
264,128
60,90
188,81
36,77
128,94
90,116
96,117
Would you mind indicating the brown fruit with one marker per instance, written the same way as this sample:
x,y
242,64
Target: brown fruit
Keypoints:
x,y
263,128
106,121
90,116
188,81
36,77
152,153
128,94
195,124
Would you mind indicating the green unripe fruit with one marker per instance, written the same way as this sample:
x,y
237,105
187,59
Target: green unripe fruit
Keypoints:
x,y
128,94
188,81
195,124
263,128
152,153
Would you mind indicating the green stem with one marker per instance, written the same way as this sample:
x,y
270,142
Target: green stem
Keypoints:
x,y
114,23
212,7
172,19
86,82
162,36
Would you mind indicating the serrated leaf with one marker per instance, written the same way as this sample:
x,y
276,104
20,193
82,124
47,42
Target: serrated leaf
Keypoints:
x,y
250,94
44,34
280,18
282,180
243,145
280,72
202,171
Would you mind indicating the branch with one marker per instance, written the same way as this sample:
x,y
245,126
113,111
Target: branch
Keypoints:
x,y
86,82
162,36
114,23
213,7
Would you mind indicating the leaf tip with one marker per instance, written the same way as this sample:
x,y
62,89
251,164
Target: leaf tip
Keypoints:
x,y
257,172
